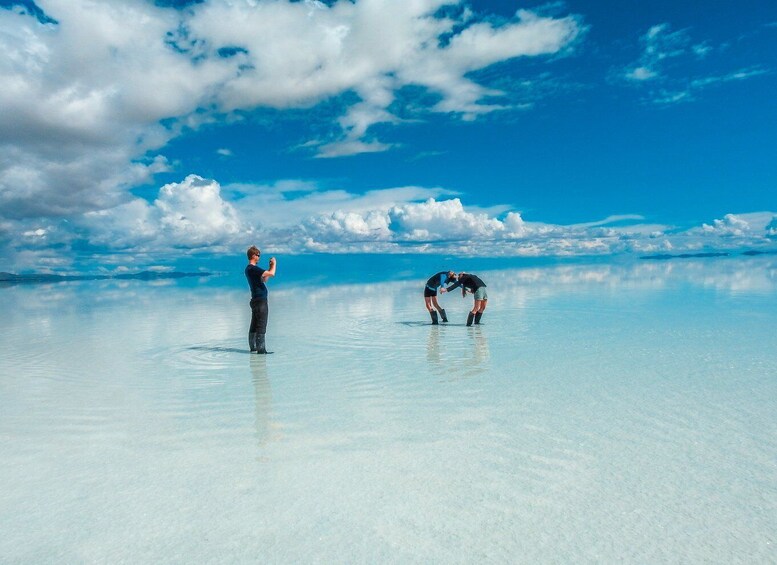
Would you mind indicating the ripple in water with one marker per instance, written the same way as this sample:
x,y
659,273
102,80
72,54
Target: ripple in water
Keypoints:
x,y
216,357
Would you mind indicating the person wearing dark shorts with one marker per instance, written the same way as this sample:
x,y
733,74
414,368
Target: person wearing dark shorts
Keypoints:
x,y
471,283
430,293
259,307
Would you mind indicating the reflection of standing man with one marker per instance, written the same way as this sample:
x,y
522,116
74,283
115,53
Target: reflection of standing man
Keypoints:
x,y
263,398
259,308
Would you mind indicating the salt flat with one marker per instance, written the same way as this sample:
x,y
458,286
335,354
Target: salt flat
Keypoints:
x,y
600,413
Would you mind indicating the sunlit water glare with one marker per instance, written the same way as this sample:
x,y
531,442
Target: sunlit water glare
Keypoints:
x,y
599,414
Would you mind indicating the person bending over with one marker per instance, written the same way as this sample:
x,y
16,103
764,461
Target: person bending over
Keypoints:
x,y
259,308
471,283
430,293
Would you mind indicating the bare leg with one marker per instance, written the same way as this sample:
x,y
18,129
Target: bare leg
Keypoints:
x,y
432,311
480,306
472,313
440,309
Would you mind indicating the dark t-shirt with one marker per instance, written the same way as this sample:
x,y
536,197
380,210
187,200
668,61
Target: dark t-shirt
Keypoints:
x,y
470,282
255,282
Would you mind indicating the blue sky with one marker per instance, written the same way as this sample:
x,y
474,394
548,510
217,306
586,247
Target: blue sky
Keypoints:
x,y
135,133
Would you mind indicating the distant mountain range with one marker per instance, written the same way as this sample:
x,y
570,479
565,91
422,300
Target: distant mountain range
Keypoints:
x,y
10,278
666,256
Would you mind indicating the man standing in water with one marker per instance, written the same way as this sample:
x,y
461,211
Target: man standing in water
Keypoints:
x,y
256,278
430,294
473,284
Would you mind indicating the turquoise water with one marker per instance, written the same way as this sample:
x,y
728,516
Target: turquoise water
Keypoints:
x,y
602,413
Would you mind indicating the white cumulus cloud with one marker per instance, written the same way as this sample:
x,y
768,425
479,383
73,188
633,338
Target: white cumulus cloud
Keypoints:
x,y
296,216
186,215
447,219
93,92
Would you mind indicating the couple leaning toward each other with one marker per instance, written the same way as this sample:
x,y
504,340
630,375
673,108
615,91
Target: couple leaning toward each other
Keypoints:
x,y
468,283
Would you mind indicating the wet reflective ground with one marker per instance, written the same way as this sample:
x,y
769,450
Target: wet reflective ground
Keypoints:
x,y
599,414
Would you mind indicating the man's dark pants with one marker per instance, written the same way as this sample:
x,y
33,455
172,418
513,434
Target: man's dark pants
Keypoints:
x,y
258,327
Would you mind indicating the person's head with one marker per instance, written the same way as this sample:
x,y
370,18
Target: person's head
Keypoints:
x,y
451,276
252,252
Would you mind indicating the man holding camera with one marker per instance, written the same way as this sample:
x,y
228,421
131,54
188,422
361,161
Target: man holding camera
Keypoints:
x,y
259,309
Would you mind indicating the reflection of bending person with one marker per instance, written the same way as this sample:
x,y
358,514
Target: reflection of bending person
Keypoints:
x,y
480,351
430,293
259,308
473,284
433,349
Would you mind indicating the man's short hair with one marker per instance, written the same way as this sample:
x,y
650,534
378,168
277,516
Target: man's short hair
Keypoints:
x,y
253,250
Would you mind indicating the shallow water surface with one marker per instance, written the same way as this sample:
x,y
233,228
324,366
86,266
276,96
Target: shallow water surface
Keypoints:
x,y
600,413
